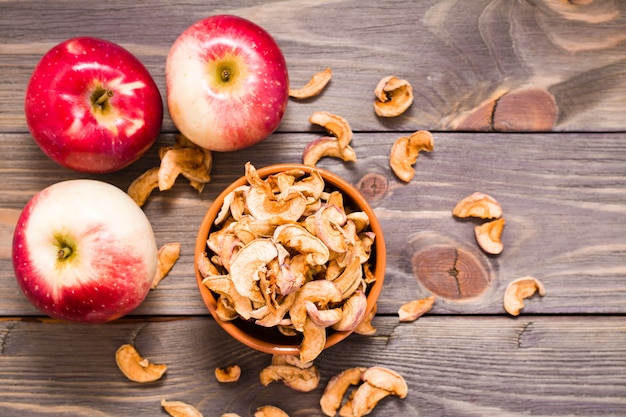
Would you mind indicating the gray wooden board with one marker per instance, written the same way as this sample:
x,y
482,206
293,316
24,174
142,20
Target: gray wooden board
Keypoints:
x,y
457,55
454,366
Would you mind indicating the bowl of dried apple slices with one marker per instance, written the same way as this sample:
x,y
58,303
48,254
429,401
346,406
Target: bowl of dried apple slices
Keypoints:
x,y
290,259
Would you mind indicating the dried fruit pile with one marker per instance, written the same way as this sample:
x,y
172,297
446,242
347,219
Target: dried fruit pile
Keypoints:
x,y
288,252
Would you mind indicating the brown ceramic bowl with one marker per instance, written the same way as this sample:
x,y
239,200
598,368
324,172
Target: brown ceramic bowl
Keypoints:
x,y
270,340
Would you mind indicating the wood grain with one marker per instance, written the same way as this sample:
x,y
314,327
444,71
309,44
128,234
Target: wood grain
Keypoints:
x,y
460,57
526,102
454,366
562,196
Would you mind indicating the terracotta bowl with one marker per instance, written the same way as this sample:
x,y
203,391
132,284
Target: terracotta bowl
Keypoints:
x,y
270,340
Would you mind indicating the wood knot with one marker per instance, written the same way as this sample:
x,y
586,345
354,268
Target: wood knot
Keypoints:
x,y
528,110
373,186
450,272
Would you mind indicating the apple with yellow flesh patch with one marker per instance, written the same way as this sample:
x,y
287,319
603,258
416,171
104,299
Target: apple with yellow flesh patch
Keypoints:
x,y
92,106
227,83
84,251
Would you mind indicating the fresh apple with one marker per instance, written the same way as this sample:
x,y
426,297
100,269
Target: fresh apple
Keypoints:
x,y
84,251
92,106
227,83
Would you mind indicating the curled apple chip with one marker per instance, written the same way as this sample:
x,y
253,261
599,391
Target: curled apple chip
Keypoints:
x,y
167,256
180,409
405,152
479,205
363,400
141,188
296,378
186,161
386,379
336,388
270,411
184,158
326,146
314,86
393,96
415,309
520,289
488,235
336,125
372,385
136,368
228,374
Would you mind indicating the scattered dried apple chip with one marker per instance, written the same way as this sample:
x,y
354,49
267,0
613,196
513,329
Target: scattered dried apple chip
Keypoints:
x,y
296,378
141,188
326,146
488,236
228,374
136,368
337,387
180,409
314,86
479,205
167,256
393,96
373,384
415,309
270,411
386,379
520,289
183,158
405,151
363,400
177,161
336,125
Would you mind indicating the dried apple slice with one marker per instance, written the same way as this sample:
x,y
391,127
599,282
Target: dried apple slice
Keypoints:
x,y
314,86
394,96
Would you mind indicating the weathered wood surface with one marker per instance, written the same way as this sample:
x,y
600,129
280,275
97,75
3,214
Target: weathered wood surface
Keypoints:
x,y
461,57
563,198
454,366
526,100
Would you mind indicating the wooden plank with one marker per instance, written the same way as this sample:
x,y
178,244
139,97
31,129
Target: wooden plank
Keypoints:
x,y
453,366
478,65
562,195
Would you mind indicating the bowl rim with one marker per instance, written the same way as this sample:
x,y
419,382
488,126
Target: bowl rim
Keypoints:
x,y
352,193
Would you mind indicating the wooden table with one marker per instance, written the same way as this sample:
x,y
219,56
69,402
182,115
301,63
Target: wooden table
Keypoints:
x,y
526,101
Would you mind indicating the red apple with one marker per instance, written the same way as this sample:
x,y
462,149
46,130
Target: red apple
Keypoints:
x,y
84,251
92,106
227,83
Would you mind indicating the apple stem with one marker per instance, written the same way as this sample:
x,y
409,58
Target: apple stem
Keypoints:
x,y
225,75
64,252
104,97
